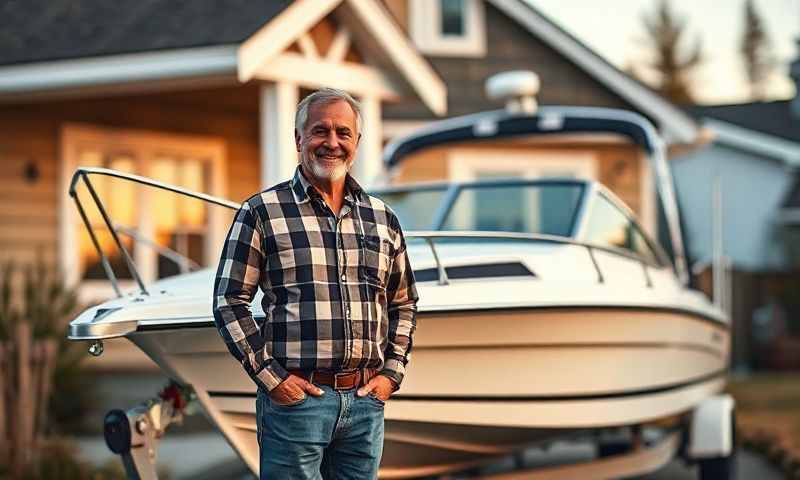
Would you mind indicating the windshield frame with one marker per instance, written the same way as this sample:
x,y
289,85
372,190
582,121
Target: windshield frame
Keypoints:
x,y
661,257
453,190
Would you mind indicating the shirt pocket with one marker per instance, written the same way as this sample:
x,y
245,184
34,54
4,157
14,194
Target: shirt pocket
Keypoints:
x,y
376,262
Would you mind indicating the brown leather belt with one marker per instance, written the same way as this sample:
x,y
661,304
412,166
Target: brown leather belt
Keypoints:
x,y
337,380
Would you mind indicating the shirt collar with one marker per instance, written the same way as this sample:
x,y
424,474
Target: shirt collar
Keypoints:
x,y
303,190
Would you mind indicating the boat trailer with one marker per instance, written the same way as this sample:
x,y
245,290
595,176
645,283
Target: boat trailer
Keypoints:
x,y
134,435
707,439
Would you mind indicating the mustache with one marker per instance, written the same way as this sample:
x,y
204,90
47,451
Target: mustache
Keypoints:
x,y
324,152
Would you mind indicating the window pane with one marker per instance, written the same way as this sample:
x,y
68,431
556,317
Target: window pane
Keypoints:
x,y
90,259
193,177
452,17
191,245
164,203
121,195
609,227
180,222
414,209
531,208
641,246
119,200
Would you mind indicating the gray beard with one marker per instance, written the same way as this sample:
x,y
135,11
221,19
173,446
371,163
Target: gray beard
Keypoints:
x,y
323,173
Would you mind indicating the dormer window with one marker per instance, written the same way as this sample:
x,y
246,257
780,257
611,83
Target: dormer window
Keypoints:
x,y
452,21
448,28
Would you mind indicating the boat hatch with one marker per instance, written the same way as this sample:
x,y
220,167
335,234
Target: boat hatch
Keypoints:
x,y
488,270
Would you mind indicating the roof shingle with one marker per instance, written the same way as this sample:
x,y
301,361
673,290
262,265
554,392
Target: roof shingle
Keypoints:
x,y
773,118
43,30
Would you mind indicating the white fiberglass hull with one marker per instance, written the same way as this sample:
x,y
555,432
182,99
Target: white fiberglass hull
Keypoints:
x,y
488,382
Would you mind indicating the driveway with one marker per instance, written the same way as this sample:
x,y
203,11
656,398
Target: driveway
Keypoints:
x,y
748,464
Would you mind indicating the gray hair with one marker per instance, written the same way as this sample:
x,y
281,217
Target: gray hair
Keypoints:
x,y
325,96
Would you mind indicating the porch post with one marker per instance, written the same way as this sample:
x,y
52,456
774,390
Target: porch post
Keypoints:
x,y
368,163
277,104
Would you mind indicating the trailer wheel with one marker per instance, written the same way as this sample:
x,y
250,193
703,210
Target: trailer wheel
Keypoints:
x,y
717,468
721,468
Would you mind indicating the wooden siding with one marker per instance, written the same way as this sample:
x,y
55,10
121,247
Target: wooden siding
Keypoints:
x,y
31,134
509,47
618,166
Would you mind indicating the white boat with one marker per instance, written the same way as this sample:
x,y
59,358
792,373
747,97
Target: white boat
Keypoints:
x,y
562,319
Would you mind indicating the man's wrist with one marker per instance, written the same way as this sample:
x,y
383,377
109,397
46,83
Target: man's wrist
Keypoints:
x,y
391,376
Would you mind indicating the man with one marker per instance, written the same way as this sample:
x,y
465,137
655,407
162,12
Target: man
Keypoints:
x,y
339,303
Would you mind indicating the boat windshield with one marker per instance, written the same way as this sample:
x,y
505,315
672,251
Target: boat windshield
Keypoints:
x,y
414,208
548,208
542,208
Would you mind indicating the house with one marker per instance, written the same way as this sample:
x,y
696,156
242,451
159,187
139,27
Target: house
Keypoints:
x,y
755,161
202,94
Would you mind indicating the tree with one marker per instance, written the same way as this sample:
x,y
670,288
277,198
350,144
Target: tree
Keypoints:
x,y
757,51
670,64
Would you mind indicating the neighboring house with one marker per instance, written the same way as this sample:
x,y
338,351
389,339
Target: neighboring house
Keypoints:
x,y
467,41
202,94
755,161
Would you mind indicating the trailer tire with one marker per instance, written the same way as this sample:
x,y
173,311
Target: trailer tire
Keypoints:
x,y
717,468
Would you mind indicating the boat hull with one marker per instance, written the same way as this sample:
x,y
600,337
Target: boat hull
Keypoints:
x,y
483,383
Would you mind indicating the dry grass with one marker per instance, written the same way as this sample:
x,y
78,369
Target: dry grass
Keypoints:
x,y
768,415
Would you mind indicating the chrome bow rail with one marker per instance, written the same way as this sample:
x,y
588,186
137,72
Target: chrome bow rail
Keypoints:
x,y
82,175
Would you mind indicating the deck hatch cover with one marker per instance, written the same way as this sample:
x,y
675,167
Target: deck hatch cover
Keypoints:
x,y
488,270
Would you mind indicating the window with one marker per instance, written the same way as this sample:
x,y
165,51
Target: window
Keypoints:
x,y
452,21
450,28
608,226
165,233
415,209
546,208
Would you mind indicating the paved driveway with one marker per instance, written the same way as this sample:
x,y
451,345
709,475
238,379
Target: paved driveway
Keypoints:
x,y
749,466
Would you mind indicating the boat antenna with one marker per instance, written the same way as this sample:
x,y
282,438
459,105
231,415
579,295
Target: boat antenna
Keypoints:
x,y
518,88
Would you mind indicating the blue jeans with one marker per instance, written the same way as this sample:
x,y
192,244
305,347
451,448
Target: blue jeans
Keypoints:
x,y
336,436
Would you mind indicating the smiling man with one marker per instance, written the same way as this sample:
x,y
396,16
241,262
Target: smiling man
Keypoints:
x,y
339,304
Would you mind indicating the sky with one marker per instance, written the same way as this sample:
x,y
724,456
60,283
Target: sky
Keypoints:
x,y
614,29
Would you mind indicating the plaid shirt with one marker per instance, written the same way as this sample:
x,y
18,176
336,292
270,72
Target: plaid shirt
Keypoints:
x,y
339,293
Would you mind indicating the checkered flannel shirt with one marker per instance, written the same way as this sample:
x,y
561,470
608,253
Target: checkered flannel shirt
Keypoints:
x,y
339,293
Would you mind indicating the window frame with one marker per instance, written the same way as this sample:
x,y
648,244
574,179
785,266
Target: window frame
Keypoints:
x,y
660,257
145,147
425,30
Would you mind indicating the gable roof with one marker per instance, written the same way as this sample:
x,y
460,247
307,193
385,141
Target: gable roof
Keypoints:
x,y
46,30
771,118
675,124
80,45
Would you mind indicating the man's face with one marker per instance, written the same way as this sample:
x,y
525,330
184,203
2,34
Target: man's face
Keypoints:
x,y
327,144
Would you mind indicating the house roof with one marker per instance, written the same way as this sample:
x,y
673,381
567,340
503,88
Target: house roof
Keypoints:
x,y
46,30
79,46
771,118
676,124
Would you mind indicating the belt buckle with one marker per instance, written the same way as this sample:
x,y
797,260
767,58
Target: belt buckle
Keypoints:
x,y
336,377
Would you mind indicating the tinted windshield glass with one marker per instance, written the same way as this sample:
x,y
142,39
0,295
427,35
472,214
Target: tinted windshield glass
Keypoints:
x,y
609,227
415,209
546,208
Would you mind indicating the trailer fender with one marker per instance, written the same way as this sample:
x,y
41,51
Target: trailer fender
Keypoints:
x,y
711,429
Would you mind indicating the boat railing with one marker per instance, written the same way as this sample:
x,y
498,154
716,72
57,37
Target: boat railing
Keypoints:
x,y
184,263
430,237
83,174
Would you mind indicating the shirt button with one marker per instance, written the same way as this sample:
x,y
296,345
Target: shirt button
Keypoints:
x,y
344,277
